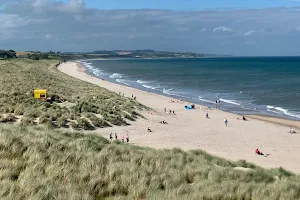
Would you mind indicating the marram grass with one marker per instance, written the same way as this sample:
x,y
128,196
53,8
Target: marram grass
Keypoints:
x,y
41,163
19,77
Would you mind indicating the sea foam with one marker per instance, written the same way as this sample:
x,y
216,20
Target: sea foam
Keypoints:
x,y
279,110
230,101
116,75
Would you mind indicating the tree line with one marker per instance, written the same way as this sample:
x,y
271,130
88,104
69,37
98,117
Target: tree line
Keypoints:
x,y
7,54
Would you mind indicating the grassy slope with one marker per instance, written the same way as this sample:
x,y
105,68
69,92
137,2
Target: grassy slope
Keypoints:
x,y
19,77
38,162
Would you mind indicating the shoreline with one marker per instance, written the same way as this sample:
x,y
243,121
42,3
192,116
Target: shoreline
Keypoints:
x,y
186,129
226,104
286,121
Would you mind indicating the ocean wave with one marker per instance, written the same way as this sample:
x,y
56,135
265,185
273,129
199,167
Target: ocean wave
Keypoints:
x,y
205,100
172,93
116,75
97,72
88,65
230,101
92,69
151,87
122,81
142,82
280,110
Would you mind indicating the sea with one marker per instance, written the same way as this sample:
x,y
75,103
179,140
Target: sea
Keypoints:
x,y
244,85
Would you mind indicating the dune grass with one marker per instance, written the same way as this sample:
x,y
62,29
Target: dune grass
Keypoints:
x,y
41,163
19,77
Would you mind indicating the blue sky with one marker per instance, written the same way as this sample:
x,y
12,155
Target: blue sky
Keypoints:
x,y
187,4
269,28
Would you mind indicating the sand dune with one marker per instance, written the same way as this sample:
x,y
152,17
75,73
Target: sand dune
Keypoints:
x,y
190,129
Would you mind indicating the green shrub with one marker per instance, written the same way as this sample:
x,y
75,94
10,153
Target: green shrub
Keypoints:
x,y
84,124
74,125
19,111
129,117
43,120
116,120
27,121
62,121
32,113
97,122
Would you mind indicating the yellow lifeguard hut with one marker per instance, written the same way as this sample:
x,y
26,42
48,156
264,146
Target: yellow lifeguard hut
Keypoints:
x,y
40,94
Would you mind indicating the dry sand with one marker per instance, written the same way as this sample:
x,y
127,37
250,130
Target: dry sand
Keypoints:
x,y
190,129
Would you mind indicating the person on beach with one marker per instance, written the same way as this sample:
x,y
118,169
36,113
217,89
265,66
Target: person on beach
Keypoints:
x,y
127,138
225,121
173,112
217,104
132,96
244,118
110,136
163,122
258,152
207,115
292,130
123,138
165,110
116,136
149,130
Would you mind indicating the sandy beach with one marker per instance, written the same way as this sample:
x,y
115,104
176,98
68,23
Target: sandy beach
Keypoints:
x,y
190,129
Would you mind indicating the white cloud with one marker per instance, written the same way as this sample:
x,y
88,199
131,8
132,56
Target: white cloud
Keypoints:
x,y
222,28
73,27
10,21
73,6
248,33
254,32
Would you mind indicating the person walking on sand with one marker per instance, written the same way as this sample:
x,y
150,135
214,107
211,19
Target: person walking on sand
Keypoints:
x,y
110,136
116,136
123,138
225,121
207,115
127,138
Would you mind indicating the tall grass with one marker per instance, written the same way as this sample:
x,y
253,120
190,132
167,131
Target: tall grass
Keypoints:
x,y
41,163
19,77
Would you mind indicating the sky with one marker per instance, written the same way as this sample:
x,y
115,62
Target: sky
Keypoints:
x,y
188,4
241,28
